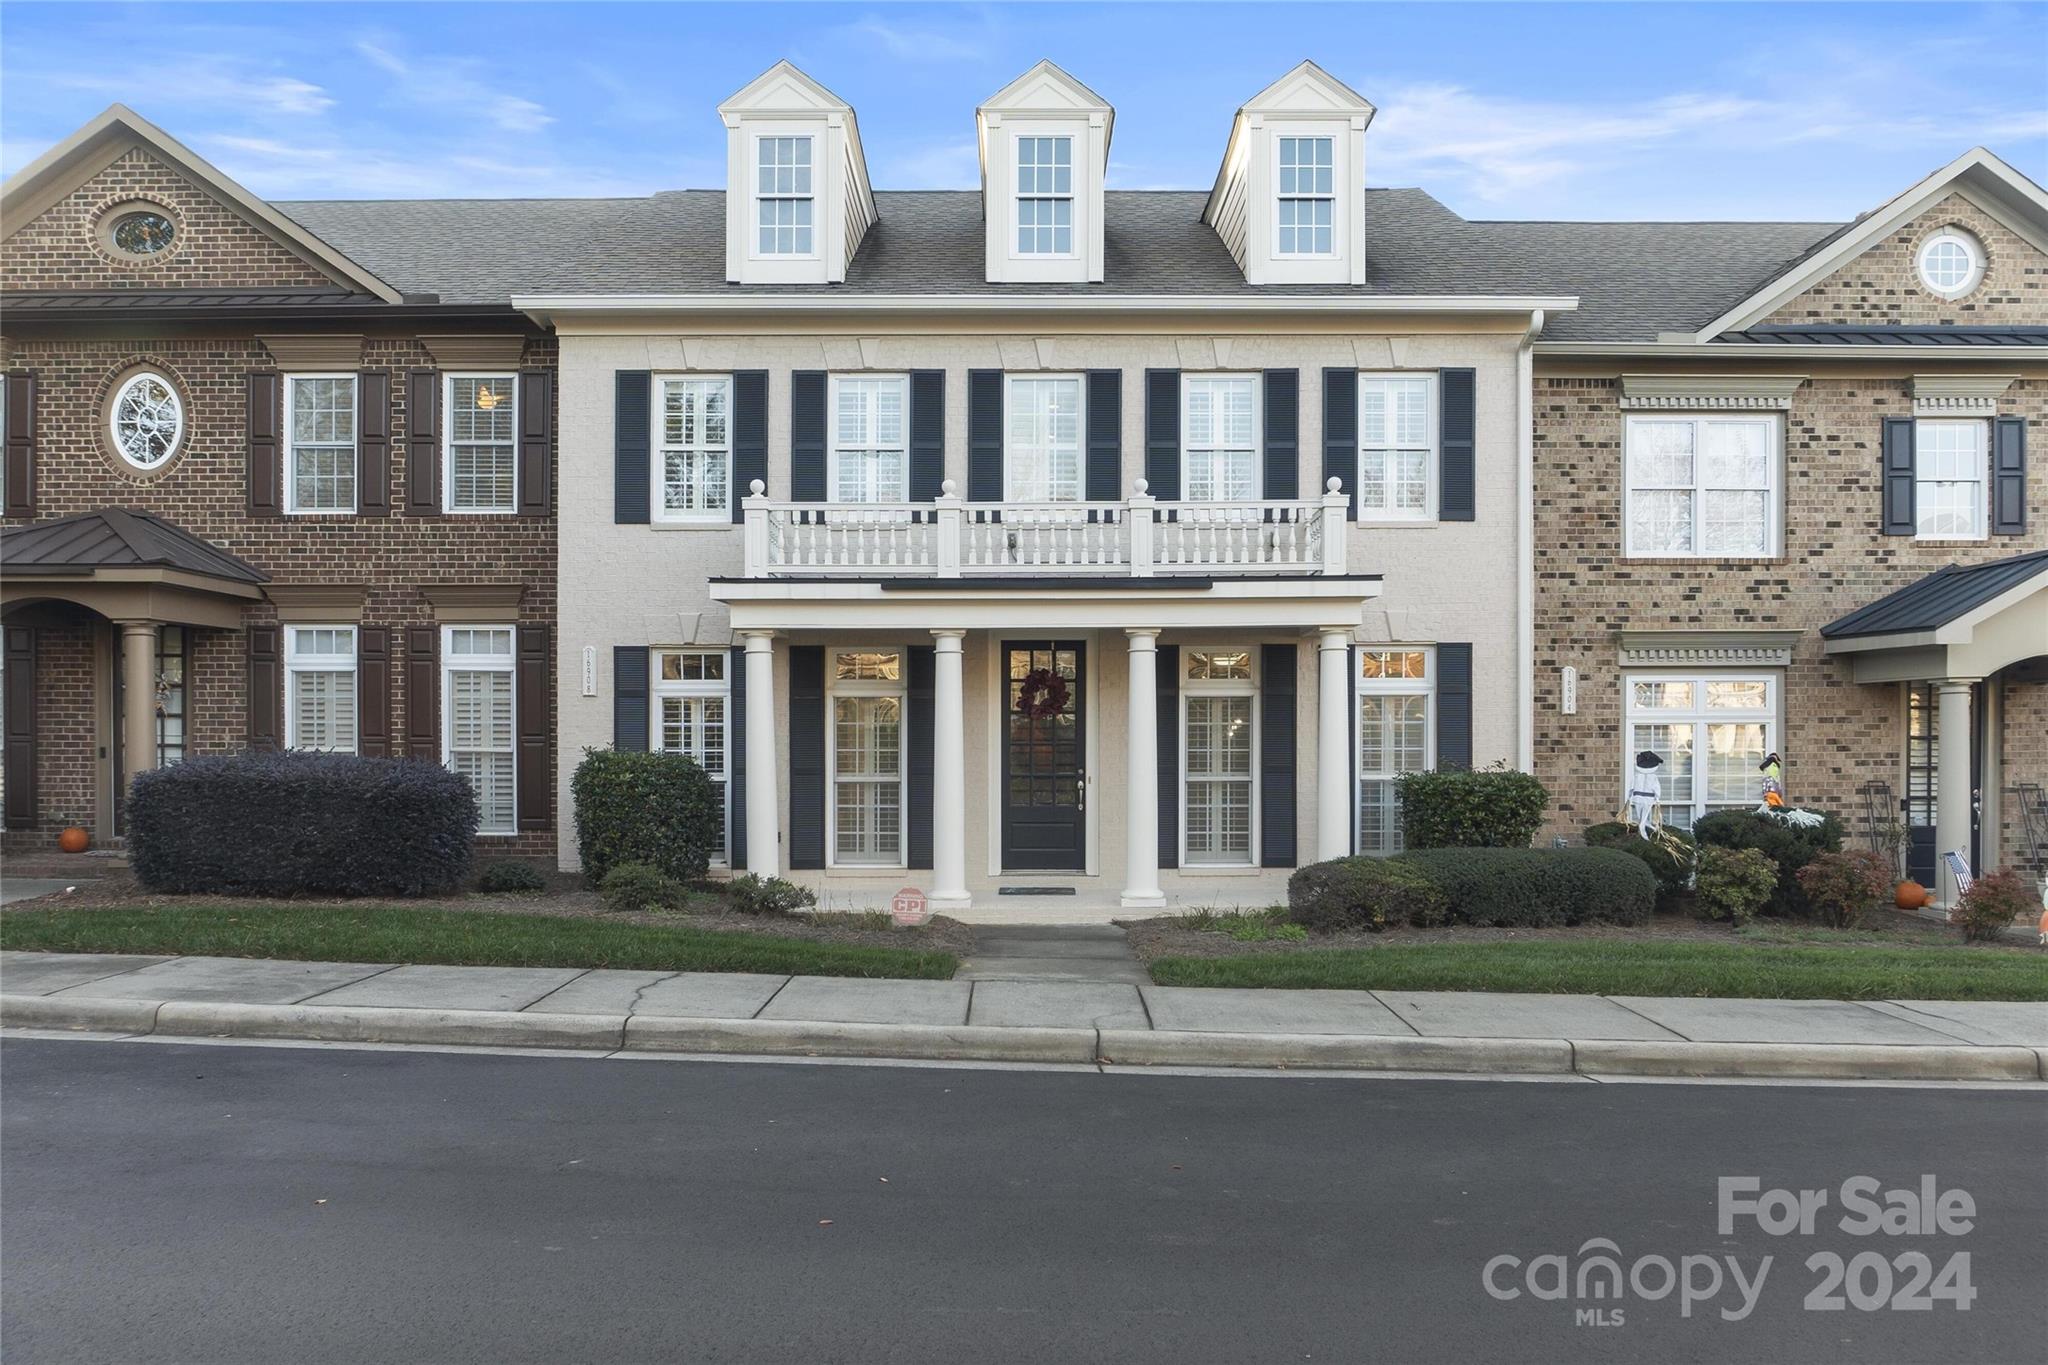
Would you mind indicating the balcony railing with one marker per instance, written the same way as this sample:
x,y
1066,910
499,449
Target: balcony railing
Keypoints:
x,y
1138,537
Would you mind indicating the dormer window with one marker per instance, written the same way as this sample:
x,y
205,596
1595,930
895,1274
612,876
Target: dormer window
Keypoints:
x,y
1307,196
797,198
1044,141
783,198
1289,199
1045,196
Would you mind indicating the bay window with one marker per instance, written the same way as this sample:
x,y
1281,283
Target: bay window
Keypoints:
x,y
320,688
1042,449
869,434
693,438
477,738
866,786
1711,730
1219,696
1704,487
1219,438
1396,694
691,705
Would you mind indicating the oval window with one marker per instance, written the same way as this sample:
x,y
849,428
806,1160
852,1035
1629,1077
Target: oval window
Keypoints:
x,y
148,421
143,233
1951,262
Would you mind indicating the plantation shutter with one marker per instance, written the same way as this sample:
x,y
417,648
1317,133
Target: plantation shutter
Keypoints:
x,y
1162,434
422,691
1166,701
807,756
1457,430
266,689
1283,434
749,438
373,691
736,757
919,750
632,433
536,447
1453,706
19,709
2009,476
373,443
1340,433
927,433
807,435
265,414
533,736
1277,689
423,443
630,728
985,436
20,475
1900,517
1105,435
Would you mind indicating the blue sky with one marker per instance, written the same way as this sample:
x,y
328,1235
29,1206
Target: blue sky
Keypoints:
x,y
1503,111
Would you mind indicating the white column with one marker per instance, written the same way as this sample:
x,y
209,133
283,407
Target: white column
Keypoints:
x,y
1141,778
949,775
1333,745
1952,781
138,703
764,799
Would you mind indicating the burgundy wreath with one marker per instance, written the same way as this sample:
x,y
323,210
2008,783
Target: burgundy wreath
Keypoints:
x,y
1043,695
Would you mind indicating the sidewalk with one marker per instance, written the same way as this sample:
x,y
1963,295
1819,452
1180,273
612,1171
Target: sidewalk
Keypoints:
x,y
993,1018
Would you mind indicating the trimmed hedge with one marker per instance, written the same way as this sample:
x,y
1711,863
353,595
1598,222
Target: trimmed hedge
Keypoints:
x,y
638,888
1537,887
1362,893
632,807
1673,873
1454,808
1791,847
1734,883
294,824
510,875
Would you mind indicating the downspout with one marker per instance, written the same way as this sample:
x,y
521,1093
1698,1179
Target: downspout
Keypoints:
x,y
1525,538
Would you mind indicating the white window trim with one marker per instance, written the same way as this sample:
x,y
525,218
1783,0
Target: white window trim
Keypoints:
x,y
1982,426
720,688
1432,464
1695,715
1361,686
1072,196
657,472
1010,380
833,443
1335,197
835,688
1258,431
755,197
1972,247
296,663
476,664
290,447
1220,687
114,420
1774,493
448,444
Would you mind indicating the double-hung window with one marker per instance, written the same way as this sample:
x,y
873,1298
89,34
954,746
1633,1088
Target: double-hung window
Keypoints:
x,y
482,431
1307,196
1219,710
783,196
320,443
1396,735
690,696
1950,497
868,437
320,688
1712,731
1219,438
477,719
1045,196
1042,453
693,435
867,758
1397,454
1703,487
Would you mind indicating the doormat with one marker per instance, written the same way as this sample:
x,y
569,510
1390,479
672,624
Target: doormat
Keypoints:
x,y
1034,891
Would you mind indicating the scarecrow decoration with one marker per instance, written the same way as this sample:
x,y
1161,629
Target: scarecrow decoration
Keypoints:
x,y
1645,793
1774,805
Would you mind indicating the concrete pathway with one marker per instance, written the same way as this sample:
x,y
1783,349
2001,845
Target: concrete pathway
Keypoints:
x,y
1067,952
14,889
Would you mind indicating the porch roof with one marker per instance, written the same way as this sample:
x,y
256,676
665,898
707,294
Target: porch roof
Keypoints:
x,y
1944,596
114,538
1957,622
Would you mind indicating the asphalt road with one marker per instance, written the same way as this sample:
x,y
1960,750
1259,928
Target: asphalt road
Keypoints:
x,y
176,1202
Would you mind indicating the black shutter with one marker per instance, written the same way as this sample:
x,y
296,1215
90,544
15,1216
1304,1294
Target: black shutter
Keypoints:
x,y
422,443
265,451
1454,706
1340,432
927,433
806,756
265,690
630,727
422,687
373,691
1277,673
20,709
1900,516
536,446
1166,701
534,795
1105,435
373,443
736,758
2009,476
1457,430
632,433
807,436
1283,434
749,439
21,453
1162,434
919,742
984,435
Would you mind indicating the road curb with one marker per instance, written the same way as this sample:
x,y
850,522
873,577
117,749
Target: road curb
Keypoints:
x,y
41,1011
387,1024
1167,1047
921,1042
1809,1061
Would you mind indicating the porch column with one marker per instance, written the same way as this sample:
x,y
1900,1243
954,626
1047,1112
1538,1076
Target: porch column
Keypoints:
x,y
1952,781
1141,780
138,689
764,764
949,774
1333,745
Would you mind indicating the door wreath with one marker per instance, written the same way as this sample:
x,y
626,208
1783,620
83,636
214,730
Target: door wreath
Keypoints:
x,y
1043,694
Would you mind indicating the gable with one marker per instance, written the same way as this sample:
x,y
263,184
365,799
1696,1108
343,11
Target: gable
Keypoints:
x,y
1045,89
1308,89
783,89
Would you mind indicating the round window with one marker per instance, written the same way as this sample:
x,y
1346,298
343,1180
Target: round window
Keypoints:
x,y
143,233
1951,262
148,421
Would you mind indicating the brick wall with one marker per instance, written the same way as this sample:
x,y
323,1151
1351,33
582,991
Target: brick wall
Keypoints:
x,y
2025,759
66,737
1881,286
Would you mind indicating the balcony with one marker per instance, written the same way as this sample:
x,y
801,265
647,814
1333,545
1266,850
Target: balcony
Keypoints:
x,y
1137,537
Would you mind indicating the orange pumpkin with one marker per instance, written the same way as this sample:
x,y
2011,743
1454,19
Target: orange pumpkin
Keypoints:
x,y
74,840
1910,895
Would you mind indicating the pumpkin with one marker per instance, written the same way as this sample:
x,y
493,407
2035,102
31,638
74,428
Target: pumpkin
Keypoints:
x,y
74,840
1910,895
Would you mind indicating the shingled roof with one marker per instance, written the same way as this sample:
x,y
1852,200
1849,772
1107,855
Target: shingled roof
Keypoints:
x,y
117,539
1943,596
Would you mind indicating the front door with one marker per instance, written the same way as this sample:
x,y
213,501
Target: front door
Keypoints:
x,y
1044,799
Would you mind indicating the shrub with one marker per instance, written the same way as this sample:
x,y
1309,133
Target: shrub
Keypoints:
x,y
1992,902
658,809
1672,870
509,874
1534,887
1791,847
639,888
1734,883
1844,887
290,824
1361,893
752,895
1491,808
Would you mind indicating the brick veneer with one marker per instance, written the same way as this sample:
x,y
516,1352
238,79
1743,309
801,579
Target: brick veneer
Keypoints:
x,y
1881,286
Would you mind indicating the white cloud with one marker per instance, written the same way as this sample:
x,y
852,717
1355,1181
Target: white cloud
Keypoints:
x,y
202,82
917,44
323,168
452,82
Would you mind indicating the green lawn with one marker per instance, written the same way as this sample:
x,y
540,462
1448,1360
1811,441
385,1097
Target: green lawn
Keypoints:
x,y
1625,967
398,933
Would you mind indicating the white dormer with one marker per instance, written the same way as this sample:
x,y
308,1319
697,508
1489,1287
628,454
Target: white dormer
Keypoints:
x,y
797,198
1044,150
1289,200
